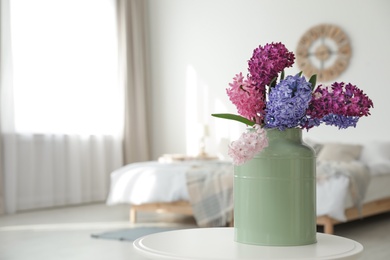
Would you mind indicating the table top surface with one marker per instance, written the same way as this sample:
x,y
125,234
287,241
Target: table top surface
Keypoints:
x,y
218,243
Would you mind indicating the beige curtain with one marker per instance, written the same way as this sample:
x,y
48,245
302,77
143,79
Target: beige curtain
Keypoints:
x,y
133,65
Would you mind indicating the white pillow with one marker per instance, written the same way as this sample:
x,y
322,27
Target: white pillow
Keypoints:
x,y
375,152
379,168
340,152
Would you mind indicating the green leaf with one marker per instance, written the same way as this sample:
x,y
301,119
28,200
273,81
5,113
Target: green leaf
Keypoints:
x,y
313,81
273,82
300,74
235,118
282,75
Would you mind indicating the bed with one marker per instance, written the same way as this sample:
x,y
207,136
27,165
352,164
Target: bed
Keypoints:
x,y
204,189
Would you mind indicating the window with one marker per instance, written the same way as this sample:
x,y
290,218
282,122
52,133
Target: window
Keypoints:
x,y
65,67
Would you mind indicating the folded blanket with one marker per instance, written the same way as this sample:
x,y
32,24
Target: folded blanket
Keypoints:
x,y
210,188
334,181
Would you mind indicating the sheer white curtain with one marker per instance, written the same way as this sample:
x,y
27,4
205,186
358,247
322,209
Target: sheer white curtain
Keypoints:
x,y
61,103
5,95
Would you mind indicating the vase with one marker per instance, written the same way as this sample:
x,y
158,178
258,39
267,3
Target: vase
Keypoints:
x,y
275,193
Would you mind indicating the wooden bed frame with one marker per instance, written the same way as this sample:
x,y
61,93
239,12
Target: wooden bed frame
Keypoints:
x,y
368,209
178,207
184,207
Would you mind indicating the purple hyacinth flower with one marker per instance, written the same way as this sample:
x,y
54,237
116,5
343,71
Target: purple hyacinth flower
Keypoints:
x,y
288,102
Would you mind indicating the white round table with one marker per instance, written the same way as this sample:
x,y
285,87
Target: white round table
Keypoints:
x,y
218,243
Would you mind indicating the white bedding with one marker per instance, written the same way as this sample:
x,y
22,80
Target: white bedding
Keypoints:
x,y
377,189
333,196
151,182
336,181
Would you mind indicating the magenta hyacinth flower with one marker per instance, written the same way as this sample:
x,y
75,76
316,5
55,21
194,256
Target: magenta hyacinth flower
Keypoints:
x,y
340,105
268,61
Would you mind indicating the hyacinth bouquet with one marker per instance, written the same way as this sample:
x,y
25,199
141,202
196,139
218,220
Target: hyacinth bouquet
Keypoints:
x,y
266,99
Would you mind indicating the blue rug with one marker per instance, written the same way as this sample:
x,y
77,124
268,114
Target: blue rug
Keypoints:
x,y
131,234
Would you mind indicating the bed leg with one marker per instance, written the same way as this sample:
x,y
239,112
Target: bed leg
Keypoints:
x,y
329,227
231,222
133,215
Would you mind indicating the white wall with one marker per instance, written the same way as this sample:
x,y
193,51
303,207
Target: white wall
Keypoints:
x,y
197,46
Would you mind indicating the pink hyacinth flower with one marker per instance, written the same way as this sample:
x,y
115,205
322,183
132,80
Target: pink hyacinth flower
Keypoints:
x,y
248,99
248,145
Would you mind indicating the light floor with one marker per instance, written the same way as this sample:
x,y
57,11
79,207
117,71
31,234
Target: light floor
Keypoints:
x,y
64,233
